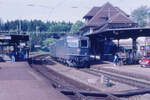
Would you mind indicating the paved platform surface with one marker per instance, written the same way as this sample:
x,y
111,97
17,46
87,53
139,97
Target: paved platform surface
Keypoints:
x,y
133,69
20,82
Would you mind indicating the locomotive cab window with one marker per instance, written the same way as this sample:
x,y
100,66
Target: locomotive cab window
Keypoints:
x,y
84,43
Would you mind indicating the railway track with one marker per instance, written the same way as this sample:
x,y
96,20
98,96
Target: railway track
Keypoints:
x,y
68,87
77,91
125,79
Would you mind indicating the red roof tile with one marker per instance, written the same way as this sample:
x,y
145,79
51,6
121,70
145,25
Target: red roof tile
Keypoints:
x,y
92,12
120,18
106,11
122,11
105,15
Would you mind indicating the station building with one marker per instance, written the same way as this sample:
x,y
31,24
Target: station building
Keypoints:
x,y
109,18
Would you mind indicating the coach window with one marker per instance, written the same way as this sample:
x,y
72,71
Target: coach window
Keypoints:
x,y
84,43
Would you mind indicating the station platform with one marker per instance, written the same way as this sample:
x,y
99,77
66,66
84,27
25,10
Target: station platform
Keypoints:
x,y
19,82
131,70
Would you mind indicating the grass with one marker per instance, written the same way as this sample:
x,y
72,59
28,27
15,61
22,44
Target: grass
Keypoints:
x,y
38,52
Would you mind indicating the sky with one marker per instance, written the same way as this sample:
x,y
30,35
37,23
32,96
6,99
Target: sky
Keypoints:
x,y
59,10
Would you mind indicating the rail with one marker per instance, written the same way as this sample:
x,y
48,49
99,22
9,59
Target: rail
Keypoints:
x,y
66,86
143,85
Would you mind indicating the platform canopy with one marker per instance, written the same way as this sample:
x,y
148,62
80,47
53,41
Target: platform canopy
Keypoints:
x,y
121,33
22,38
13,38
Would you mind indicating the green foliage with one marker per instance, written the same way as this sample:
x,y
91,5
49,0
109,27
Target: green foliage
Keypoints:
x,y
46,43
141,15
60,27
39,52
76,27
1,24
36,25
41,33
37,39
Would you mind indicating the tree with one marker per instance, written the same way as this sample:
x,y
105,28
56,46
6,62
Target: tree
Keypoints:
x,y
60,27
141,15
76,27
1,24
40,31
7,26
46,43
25,25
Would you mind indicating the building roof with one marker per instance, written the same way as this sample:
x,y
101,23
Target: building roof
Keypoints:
x,y
106,11
106,14
116,19
122,33
92,12
122,11
120,18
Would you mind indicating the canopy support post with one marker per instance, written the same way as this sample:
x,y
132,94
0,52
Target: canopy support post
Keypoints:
x,y
134,49
118,45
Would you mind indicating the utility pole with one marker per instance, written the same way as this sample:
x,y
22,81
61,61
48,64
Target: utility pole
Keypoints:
x,y
19,27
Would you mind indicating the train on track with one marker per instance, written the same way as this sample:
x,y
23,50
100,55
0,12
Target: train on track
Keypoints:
x,y
71,50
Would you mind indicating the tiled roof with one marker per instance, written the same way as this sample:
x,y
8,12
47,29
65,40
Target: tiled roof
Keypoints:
x,y
92,12
102,28
106,14
122,11
120,18
106,11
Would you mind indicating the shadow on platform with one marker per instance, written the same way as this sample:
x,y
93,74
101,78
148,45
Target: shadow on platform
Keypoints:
x,y
96,62
1,59
41,62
